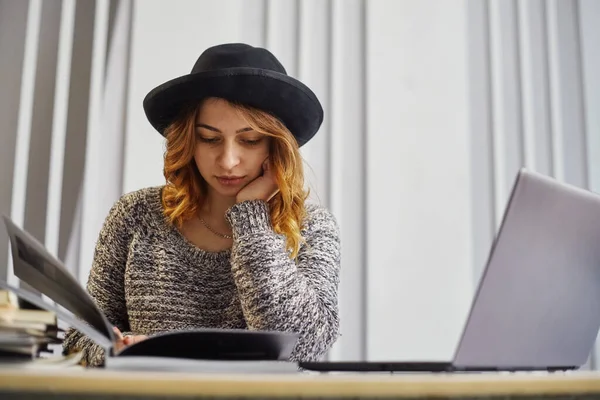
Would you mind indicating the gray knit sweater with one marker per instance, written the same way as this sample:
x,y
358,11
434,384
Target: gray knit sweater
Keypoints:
x,y
148,278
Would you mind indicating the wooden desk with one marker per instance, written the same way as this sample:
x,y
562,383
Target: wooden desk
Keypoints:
x,y
100,384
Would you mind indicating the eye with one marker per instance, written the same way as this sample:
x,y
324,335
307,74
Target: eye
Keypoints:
x,y
252,142
211,140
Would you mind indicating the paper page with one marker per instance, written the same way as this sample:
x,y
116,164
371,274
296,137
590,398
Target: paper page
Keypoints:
x,y
84,328
34,265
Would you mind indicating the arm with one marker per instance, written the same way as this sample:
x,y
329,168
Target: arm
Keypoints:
x,y
281,294
106,281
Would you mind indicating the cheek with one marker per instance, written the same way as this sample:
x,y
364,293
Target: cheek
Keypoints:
x,y
258,158
263,152
202,159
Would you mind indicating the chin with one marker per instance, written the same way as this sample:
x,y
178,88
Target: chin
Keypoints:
x,y
224,191
228,193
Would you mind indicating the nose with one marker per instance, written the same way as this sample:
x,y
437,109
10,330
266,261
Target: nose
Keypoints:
x,y
229,157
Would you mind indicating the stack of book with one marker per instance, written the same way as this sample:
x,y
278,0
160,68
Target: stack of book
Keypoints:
x,y
26,331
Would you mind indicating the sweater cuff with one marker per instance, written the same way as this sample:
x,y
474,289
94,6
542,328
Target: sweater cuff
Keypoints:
x,y
249,216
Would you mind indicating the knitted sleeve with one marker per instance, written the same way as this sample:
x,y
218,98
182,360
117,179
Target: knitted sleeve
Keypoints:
x,y
278,293
106,280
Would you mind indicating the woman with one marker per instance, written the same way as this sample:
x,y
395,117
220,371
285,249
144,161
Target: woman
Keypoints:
x,y
228,241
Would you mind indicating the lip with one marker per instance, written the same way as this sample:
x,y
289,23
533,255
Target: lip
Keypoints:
x,y
230,180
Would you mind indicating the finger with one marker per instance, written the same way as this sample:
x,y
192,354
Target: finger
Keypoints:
x,y
133,339
273,195
130,339
118,333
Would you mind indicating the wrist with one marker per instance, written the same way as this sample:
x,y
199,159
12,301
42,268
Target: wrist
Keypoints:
x,y
249,216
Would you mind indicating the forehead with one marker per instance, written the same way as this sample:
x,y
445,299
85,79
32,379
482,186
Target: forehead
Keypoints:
x,y
220,116
216,108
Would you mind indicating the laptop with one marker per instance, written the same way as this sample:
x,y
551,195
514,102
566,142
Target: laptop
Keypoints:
x,y
537,305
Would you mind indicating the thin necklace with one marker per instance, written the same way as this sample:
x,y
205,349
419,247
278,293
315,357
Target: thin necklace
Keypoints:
x,y
222,235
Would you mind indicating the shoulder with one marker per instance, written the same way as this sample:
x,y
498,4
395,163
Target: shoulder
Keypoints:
x,y
141,197
137,205
320,219
322,236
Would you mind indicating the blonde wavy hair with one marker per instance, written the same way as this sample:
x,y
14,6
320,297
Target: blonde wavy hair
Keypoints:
x,y
185,189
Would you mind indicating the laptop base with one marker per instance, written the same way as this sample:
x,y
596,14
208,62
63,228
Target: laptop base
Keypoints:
x,y
380,366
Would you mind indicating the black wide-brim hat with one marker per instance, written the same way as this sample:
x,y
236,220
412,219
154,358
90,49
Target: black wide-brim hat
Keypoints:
x,y
243,74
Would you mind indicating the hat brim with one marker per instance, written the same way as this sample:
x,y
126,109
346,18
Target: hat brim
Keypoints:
x,y
281,95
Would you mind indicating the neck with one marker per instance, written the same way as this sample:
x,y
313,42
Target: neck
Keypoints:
x,y
214,208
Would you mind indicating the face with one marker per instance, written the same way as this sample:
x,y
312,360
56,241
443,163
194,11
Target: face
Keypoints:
x,y
229,154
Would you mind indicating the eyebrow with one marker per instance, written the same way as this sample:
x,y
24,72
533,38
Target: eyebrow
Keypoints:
x,y
212,128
